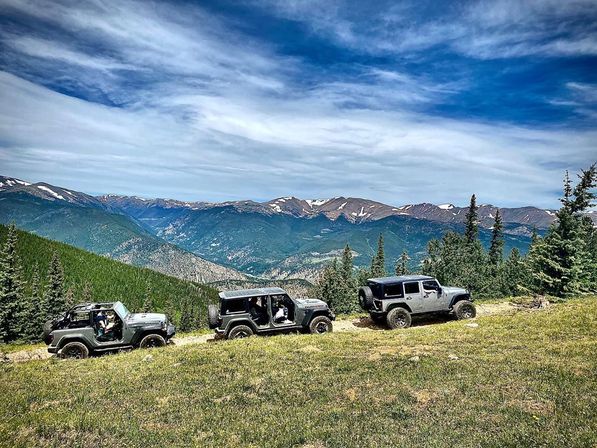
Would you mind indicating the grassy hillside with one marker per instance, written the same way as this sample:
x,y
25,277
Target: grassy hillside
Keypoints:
x,y
525,380
109,279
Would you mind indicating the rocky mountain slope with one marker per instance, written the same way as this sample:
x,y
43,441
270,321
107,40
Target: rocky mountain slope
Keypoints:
x,y
85,222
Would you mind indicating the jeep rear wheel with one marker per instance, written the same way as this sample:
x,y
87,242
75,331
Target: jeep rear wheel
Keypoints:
x,y
152,341
398,318
74,350
240,332
465,310
320,325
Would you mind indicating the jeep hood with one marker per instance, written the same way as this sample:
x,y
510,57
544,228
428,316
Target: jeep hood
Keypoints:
x,y
145,318
454,290
312,304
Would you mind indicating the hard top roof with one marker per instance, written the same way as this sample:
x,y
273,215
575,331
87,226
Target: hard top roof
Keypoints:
x,y
242,293
95,305
399,279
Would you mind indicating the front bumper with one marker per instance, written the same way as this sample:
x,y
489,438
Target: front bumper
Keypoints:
x,y
53,350
170,331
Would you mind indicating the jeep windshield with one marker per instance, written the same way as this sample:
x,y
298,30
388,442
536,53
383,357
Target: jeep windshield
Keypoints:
x,y
121,310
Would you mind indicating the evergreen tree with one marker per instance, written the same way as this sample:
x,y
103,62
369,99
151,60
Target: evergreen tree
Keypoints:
x,y
35,310
347,301
148,304
329,285
12,297
561,263
87,293
69,299
186,315
513,276
497,241
378,263
54,297
471,219
402,264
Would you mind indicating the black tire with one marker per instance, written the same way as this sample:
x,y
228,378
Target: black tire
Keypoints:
x,y
365,297
152,340
74,350
212,316
240,332
398,318
321,325
465,310
378,319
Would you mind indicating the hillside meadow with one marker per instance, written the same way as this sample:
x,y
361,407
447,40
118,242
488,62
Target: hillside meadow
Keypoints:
x,y
525,379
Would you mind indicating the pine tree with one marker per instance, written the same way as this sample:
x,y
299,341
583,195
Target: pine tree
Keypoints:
x,y
471,219
148,304
54,297
69,298
347,301
402,264
497,241
87,293
378,263
12,297
35,311
513,276
329,285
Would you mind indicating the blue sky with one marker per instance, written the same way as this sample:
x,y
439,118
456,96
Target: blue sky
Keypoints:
x,y
399,102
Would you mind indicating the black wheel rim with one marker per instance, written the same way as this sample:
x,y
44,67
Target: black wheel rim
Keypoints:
x,y
321,327
153,342
467,312
241,335
74,352
400,321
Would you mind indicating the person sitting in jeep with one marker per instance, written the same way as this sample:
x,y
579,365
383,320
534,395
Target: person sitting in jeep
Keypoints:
x,y
257,311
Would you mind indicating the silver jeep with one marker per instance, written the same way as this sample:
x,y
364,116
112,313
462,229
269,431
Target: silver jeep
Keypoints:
x,y
394,300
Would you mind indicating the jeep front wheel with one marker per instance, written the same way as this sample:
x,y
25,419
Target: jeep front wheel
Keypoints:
x,y
240,332
464,310
74,350
398,318
320,325
152,341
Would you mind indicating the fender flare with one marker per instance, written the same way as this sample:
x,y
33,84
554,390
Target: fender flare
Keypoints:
x,y
458,298
400,305
240,321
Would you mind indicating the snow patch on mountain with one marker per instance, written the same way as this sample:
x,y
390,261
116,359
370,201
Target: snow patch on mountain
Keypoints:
x,y
52,192
446,206
342,206
316,202
276,207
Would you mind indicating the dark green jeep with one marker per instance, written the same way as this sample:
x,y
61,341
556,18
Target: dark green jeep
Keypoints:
x,y
92,328
241,314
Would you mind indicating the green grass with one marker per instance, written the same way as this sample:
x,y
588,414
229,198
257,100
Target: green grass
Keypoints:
x,y
526,379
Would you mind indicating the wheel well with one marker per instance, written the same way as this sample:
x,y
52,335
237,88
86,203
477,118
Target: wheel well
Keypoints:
x,y
319,313
65,341
141,335
400,305
460,298
236,323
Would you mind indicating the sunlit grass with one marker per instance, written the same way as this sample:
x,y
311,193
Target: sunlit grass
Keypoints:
x,y
526,379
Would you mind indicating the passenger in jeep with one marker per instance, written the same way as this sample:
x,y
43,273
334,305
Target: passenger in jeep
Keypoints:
x,y
257,311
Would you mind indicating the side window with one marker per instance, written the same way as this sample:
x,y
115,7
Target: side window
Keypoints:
x,y
234,306
79,319
430,285
393,290
411,288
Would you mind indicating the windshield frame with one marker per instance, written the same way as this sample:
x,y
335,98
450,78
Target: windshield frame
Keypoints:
x,y
121,310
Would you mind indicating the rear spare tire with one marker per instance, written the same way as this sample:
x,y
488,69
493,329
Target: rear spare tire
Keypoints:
x,y
398,318
240,332
212,316
74,350
321,325
465,310
365,297
152,341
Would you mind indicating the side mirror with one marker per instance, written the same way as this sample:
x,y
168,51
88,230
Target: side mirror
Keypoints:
x,y
439,291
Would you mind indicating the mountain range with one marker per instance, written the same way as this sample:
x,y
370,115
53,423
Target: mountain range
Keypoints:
x,y
283,238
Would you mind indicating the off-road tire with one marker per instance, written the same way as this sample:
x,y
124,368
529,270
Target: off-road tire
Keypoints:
x,y
378,319
365,297
152,340
465,310
212,316
74,350
320,325
398,318
240,332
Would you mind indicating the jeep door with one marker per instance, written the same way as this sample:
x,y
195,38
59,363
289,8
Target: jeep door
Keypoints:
x,y
433,299
413,296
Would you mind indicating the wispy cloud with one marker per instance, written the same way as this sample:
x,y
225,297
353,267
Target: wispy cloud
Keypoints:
x,y
207,111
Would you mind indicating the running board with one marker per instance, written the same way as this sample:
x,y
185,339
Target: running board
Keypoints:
x,y
113,348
